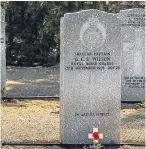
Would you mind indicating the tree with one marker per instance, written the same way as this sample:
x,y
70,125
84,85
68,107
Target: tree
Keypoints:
x,y
33,28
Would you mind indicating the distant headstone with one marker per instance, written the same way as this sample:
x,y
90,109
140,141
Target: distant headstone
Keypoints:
x,y
3,52
133,58
90,76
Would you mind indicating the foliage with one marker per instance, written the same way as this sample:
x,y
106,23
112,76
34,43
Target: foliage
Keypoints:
x,y
33,27
143,102
94,146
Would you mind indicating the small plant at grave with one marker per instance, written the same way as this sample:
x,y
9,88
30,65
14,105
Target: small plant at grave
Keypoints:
x,y
143,102
94,146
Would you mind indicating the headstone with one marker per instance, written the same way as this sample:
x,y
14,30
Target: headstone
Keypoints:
x,y
90,76
133,57
3,52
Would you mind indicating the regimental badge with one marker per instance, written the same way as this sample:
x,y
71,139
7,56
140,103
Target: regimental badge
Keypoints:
x,y
93,33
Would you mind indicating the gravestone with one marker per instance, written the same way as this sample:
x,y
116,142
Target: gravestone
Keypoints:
x,y
90,76
133,57
3,53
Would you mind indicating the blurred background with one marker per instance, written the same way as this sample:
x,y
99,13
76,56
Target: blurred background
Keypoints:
x,y
33,28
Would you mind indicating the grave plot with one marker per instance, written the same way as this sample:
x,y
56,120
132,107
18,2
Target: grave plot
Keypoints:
x,y
89,107
37,121
90,76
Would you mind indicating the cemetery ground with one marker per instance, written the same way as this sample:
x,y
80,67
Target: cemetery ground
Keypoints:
x,y
32,81
37,121
33,121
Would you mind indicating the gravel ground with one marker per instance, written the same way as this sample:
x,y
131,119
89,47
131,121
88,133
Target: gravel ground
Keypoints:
x,y
30,121
38,121
32,81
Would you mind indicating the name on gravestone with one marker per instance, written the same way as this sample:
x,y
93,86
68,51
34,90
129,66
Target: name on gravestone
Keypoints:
x,y
133,58
3,52
90,86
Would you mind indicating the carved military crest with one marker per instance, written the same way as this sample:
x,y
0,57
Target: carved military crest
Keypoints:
x,y
93,33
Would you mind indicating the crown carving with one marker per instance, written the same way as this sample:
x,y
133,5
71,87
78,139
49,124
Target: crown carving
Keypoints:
x,y
93,21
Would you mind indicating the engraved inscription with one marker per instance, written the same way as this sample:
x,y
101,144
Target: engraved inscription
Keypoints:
x,y
135,82
92,61
135,20
92,114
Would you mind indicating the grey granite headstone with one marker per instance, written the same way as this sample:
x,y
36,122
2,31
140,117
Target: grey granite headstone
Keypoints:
x,y
90,76
3,52
133,57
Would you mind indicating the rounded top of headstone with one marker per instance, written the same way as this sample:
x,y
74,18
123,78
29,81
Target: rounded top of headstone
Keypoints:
x,y
88,11
134,10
